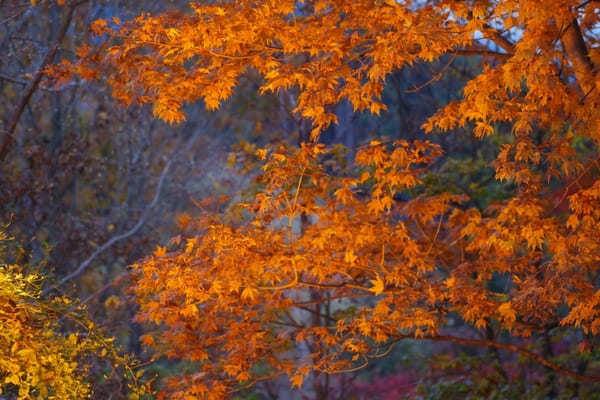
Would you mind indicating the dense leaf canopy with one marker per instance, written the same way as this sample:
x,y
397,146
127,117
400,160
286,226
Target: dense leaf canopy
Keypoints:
x,y
329,265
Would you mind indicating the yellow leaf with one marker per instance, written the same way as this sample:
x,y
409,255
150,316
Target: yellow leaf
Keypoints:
x,y
508,313
261,154
231,159
189,245
378,285
112,302
160,251
350,257
249,293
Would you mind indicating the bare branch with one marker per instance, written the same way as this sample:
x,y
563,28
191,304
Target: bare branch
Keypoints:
x,y
25,83
82,267
98,292
508,347
7,137
18,11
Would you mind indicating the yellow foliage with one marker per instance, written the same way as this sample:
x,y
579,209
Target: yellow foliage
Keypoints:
x,y
36,360
48,346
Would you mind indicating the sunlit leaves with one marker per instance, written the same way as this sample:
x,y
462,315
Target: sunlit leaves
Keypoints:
x,y
308,231
38,360
397,262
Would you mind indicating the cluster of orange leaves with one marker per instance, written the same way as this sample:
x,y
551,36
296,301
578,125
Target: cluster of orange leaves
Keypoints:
x,y
241,296
243,288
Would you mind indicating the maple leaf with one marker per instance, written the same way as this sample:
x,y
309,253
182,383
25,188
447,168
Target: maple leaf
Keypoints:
x,y
37,356
297,380
249,293
307,224
160,251
378,286
508,313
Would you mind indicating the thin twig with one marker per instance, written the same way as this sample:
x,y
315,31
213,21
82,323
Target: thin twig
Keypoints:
x,y
103,288
25,83
508,347
480,52
7,137
188,145
82,267
435,78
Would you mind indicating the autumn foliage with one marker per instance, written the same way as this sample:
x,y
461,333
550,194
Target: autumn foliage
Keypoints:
x,y
36,361
50,349
330,264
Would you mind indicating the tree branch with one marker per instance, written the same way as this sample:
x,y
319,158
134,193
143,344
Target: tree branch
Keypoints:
x,y
508,347
499,39
98,292
576,49
469,52
25,83
82,267
7,138
585,3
